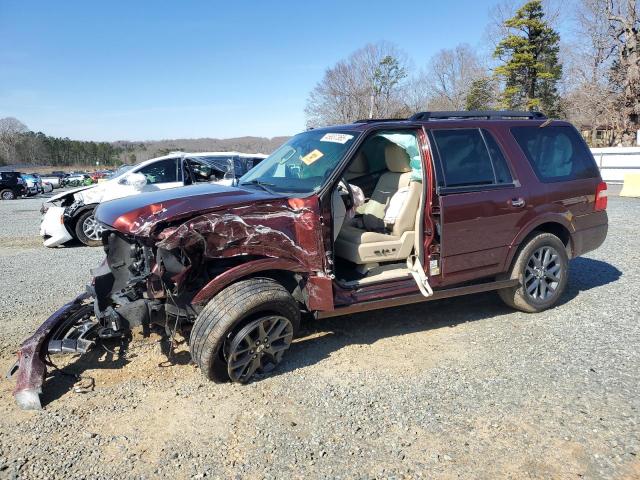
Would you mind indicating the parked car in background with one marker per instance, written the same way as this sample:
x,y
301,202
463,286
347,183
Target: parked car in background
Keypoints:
x,y
458,203
12,185
33,184
45,187
54,180
78,180
99,175
69,215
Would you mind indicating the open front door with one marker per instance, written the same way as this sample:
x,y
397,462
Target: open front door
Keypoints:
x,y
371,246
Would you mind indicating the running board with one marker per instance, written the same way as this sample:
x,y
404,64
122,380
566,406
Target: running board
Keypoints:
x,y
417,298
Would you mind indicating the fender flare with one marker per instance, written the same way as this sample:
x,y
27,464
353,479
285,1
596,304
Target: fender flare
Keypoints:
x,y
558,218
234,274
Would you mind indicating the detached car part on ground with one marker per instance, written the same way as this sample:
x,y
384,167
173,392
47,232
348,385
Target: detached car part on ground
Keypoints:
x,y
69,215
236,267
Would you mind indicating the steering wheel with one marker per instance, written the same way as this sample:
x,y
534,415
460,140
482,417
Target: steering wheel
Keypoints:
x,y
346,193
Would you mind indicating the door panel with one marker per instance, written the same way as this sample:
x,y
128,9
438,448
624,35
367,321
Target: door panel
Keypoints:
x,y
477,228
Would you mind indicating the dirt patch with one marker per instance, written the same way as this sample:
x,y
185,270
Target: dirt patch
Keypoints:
x,y
20,242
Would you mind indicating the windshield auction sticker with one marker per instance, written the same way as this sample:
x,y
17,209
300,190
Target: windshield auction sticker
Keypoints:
x,y
311,157
336,138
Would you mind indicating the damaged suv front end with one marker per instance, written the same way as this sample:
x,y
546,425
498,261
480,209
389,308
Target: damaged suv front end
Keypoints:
x,y
167,254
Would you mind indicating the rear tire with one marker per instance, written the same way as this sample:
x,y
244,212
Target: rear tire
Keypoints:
x,y
542,267
88,231
231,315
7,194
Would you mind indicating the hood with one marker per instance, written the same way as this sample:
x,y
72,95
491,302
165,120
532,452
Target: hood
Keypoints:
x,y
69,192
138,214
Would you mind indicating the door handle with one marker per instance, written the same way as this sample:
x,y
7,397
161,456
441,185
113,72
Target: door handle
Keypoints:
x,y
517,202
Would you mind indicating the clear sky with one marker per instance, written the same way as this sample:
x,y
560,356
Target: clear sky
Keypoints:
x,y
138,70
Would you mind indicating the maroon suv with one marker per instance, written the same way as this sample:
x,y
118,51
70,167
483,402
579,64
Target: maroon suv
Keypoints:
x,y
338,220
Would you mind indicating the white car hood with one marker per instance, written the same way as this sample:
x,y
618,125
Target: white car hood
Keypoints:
x,y
69,192
109,190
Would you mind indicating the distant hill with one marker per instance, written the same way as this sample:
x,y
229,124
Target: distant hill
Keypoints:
x,y
22,147
153,148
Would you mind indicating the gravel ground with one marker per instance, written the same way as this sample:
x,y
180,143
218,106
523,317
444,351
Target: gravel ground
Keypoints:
x,y
463,388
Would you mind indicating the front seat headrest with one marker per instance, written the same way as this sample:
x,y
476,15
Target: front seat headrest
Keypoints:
x,y
359,164
396,158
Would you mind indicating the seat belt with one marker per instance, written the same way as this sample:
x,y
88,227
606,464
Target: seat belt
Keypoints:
x,y
415,267
414,262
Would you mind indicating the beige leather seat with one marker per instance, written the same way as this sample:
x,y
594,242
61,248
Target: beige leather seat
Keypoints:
x,y
358,167
376,240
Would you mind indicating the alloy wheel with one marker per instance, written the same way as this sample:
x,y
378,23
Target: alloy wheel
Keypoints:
x,y
91,228
258,347
8,195
543,273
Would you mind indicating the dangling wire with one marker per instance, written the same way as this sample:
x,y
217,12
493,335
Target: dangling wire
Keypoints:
x,y
175,326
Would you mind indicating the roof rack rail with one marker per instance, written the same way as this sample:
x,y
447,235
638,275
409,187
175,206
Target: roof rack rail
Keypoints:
x,y
376,120
487,114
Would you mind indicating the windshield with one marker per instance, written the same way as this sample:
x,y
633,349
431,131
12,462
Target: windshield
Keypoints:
x,y
121,169
303,163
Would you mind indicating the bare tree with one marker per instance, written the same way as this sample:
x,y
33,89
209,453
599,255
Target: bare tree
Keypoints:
x,y
604,69
450,76
624,30
11,130
368,83
590,96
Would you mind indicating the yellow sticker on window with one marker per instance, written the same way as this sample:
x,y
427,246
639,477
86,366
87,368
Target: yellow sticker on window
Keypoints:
x,y
311,157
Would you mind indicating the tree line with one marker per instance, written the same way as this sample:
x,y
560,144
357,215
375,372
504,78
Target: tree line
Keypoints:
x,y
592,79
20,146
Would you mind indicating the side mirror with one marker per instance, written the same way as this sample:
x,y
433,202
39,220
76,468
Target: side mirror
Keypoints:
x,y
135,180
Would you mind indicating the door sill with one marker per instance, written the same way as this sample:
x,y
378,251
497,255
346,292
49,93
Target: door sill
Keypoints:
x,y
418,298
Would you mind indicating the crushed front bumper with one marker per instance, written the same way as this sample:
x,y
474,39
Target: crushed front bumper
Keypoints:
x,y
30,369
52,229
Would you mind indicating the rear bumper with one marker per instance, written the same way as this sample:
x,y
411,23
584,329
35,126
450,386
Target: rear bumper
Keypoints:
x,y
591,237
52,229
31,367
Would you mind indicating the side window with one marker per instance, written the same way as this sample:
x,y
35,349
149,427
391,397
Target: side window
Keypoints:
x,y
503,175
556,153
163,171
464,157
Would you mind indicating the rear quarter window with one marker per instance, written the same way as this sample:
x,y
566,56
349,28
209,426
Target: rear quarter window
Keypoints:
x,y
556,153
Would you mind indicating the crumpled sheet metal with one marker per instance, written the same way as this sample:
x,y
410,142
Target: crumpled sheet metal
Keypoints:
x,y
252,230
31,366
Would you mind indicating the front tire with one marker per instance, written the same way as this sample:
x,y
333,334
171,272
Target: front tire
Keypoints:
x,y
542,267
245,329
7,194
88,230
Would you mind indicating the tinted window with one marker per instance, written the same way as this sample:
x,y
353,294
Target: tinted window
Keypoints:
x,y
163,171
556,153
503,175
464,156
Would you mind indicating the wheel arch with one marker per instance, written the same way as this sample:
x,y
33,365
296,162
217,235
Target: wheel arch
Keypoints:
x,y
286,272
72,220
556,225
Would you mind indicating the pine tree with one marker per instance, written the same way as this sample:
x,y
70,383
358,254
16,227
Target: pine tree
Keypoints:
x,y
481,94
530,69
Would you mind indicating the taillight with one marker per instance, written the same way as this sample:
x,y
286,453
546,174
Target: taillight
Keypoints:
x,y
601,197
